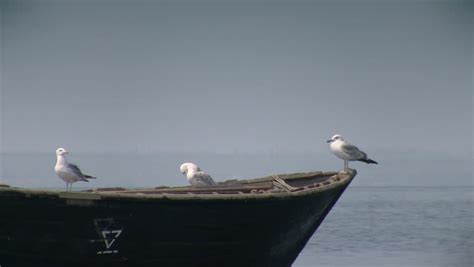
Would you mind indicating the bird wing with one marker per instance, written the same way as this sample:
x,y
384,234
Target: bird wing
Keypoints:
x,y
352,151
202,178
75,169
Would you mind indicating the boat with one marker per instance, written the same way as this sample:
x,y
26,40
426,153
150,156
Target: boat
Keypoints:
x,y
256,222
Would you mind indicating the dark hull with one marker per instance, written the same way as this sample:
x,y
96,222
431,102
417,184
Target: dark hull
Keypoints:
x,y
61,230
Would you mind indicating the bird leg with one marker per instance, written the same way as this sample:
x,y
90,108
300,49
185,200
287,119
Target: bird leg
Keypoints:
x,y
346,165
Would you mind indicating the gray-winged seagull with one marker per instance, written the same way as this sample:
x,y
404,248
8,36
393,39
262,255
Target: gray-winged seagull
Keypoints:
x,y
195,176
347,151
68,172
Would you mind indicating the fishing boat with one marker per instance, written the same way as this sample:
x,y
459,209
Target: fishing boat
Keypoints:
x,y
257,222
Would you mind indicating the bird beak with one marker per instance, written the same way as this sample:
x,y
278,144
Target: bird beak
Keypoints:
x,y
329,141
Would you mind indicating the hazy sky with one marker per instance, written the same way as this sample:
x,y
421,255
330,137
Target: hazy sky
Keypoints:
x,y
394,77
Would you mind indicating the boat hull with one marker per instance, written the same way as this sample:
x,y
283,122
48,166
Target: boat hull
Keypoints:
x,y
73,230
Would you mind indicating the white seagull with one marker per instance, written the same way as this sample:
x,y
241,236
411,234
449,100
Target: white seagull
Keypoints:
x,y
347,151
68,172
195,176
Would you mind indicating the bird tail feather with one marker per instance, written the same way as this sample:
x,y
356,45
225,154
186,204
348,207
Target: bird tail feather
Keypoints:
x,y
90,177
368,161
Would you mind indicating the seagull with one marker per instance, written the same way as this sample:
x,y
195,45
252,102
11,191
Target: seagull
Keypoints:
x,y
347,151
195,176
68,172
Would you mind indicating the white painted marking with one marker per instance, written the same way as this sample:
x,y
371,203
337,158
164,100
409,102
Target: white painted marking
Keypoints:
x,y
109,243
107,236
106,252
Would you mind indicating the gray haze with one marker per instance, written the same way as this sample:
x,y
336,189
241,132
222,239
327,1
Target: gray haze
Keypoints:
x,y
263,83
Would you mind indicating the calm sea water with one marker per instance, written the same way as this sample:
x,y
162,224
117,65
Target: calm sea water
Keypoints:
x,y
396,226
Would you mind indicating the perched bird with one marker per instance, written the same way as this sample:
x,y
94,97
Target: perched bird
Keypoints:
x,y
68,172
195,176
346,151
